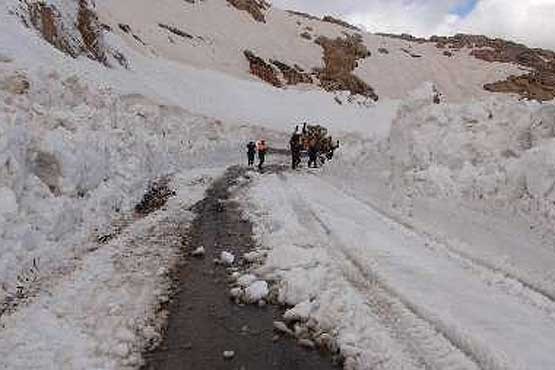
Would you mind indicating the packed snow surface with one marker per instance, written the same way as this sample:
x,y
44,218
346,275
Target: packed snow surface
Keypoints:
x,y
426,243
397,297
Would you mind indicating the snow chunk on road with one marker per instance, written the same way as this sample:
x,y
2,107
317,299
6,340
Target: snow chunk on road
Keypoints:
x,y
199,252
246,280
256,291
252,257
227,258
300,312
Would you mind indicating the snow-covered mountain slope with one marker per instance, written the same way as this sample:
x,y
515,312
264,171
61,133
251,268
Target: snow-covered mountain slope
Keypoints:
x,y
99,102
217,35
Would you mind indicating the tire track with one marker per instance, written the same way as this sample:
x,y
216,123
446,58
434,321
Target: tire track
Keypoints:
x,y
492,275
427,344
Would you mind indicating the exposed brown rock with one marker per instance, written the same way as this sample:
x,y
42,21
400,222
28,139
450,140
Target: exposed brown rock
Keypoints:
x,y
304,15
340,60
534,86
175,31
306,35
127,29
46,19
256,8
539,84
383,51
91,32
403,36
262,70
86,40
340,22
48,169
292,75
410,53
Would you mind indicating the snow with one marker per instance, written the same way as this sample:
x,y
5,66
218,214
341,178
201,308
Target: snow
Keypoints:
x,y
199,252
246,280
101,314
426,243
351,260
256,291
227,258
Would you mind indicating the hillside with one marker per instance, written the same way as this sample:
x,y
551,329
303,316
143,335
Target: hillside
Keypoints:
x,y
426,243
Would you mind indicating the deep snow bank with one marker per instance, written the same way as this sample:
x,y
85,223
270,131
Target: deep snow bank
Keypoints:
x,y
74,157
496,151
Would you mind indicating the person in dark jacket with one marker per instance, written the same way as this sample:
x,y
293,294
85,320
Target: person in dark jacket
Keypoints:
x,y
313,154
251,152
295,144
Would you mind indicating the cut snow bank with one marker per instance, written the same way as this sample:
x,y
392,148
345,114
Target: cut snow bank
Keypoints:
x,y
73,159
105,313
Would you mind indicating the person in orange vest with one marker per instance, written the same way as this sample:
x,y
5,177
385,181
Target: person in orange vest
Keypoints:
x,y
262,149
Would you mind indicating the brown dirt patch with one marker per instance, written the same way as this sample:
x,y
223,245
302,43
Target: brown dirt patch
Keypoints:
x,y
256,8
341,57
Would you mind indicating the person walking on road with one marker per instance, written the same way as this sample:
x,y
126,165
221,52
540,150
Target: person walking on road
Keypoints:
x,y
295,144
262,149
251,153
313,154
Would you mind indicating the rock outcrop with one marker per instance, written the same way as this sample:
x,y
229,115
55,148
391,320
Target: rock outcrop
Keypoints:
x,y
262,70
256,8
539,84
75,31
340,22
341,57
57,30
292,75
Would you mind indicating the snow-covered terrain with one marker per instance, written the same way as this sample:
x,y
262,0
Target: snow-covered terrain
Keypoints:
x,y
427,243
431,246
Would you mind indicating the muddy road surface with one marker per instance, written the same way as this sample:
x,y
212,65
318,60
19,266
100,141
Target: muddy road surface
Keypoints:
x,y
203,321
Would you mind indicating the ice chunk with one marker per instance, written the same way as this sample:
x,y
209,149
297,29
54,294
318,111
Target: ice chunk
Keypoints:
x,y
227,258
256,291
199,252
300,312
246,280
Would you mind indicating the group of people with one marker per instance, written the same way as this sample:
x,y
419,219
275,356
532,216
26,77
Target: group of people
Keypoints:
x,y
316,144
259,147
311,139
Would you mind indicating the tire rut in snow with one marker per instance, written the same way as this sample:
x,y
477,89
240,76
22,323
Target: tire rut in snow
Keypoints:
x,y
426,343
203,322
522,288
